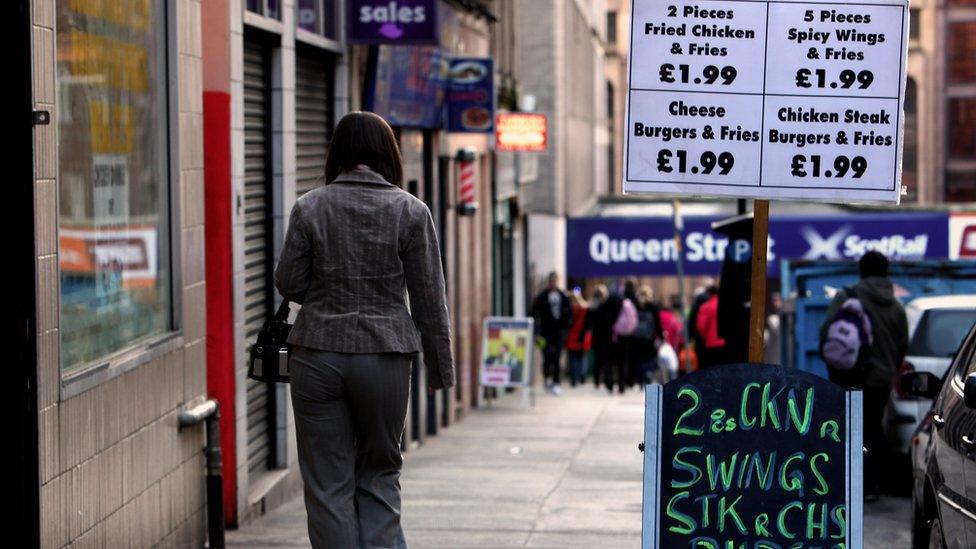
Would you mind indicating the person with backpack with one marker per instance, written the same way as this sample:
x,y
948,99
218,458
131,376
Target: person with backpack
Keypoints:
x,y
552,313
621,355
647,337
863,341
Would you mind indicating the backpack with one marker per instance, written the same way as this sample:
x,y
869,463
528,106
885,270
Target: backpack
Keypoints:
x,y
645,326
627,319
848,332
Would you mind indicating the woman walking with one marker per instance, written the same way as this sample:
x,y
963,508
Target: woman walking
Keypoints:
x,y
353,246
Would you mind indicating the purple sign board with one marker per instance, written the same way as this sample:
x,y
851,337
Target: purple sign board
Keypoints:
x,y
392,21
471,95
619,246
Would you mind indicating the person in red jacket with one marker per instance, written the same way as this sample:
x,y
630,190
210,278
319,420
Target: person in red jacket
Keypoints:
x,y
707,325
578,342
671,323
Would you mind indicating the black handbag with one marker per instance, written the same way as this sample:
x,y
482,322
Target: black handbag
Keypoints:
x,y
269,354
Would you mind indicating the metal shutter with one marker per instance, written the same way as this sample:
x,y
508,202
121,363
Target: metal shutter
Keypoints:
x,y
313,119
257,242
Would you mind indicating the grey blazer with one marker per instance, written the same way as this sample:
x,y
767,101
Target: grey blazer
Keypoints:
x,y
352,248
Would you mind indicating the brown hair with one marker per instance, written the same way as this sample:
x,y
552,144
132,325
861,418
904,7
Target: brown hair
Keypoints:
x,y
364,138
645,295
600,293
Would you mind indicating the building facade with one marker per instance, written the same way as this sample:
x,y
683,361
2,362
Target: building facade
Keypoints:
x,y
169,142
940,103
119,324
617,56
562,48
960,99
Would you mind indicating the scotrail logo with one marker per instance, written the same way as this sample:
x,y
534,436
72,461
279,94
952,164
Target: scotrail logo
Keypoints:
x,y
823,248
842,244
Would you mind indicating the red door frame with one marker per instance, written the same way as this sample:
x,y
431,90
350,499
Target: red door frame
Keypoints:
x,y
218,241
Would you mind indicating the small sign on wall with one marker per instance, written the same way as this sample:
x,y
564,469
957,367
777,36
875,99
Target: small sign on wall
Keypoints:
x,y
521,131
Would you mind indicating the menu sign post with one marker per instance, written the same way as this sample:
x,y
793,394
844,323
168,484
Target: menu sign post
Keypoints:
x,y
752,455
767,99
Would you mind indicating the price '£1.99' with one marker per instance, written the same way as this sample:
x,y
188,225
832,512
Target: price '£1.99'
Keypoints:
x,y
847,78
709,74
842,166
707,162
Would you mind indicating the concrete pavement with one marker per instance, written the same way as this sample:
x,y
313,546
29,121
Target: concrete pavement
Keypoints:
x,y
565,474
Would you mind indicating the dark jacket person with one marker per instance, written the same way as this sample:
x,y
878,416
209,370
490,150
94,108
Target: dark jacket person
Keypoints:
x,y
878,362
353,247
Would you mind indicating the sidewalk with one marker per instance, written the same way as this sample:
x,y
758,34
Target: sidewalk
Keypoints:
x,y
566,473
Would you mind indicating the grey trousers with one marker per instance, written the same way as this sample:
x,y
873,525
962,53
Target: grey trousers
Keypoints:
x,y
349,414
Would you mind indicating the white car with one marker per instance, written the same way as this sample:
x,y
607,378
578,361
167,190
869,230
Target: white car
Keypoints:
x,y
936,328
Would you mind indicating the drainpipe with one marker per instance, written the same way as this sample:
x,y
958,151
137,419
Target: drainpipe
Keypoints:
x,y
209,411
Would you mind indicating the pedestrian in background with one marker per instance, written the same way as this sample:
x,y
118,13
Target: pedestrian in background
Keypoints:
x,y
647,338
626,344
711,352
352,248
699,297
579,340
877,361
624,325
603,314
773,334
552,312
671,324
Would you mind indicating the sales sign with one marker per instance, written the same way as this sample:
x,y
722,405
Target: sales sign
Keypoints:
x,y
392,22
767,99
752,455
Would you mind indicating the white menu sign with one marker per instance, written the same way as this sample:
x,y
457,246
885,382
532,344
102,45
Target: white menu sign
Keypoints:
x,y
767,99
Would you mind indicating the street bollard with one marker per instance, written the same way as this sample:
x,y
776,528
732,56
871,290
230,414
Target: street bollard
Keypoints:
x,y
209,411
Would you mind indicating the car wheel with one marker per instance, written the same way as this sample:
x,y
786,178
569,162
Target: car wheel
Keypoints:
x,y
935,535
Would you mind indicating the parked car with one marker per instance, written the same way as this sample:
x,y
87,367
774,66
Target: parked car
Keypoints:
x,y
936,327
943,453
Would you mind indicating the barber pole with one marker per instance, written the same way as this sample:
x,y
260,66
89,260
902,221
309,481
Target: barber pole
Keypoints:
x,y
467,182
467,204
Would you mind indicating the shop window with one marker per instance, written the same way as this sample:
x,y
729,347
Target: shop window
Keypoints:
x,y
961,53
317,16
909,163
960,186
962,128
267,8
113,178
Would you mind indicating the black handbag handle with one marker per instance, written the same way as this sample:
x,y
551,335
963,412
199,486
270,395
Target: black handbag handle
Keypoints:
x,y
281,314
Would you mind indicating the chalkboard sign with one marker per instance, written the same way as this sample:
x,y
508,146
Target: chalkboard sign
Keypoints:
x,y
752,456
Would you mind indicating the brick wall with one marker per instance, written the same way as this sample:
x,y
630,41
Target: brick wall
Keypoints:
x,y
115,470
